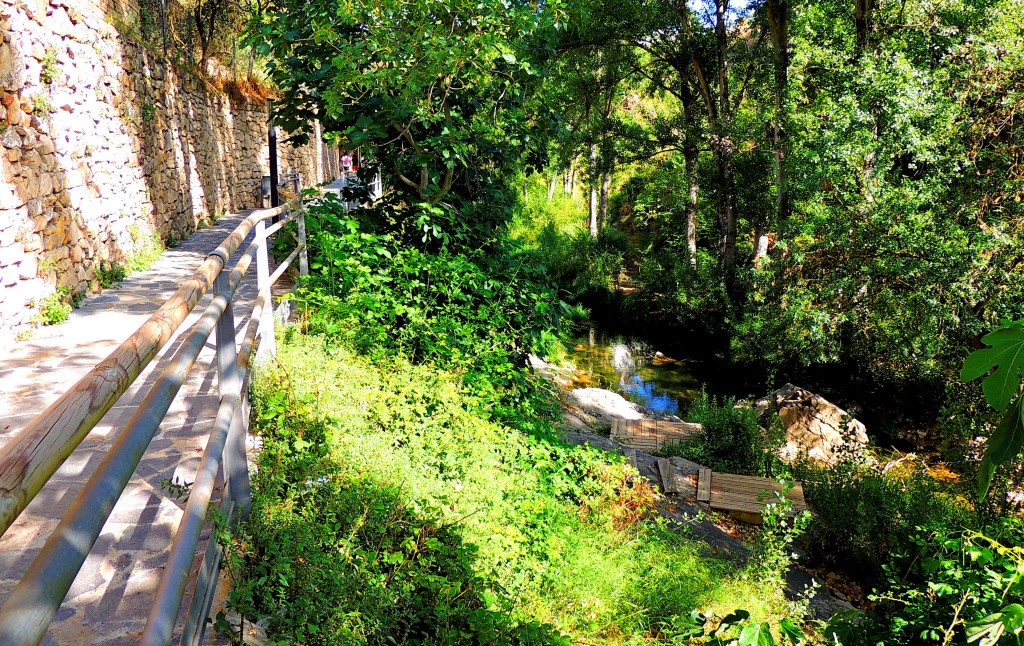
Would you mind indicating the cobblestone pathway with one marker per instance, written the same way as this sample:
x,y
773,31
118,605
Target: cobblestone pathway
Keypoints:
x,y
110,599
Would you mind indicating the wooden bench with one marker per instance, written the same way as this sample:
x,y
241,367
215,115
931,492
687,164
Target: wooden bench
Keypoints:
x,y
652,435
744,497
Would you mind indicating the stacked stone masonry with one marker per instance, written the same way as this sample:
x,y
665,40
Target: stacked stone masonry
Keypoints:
x,y
104,144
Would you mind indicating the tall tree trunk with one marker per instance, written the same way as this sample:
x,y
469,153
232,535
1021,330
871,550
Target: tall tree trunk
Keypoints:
x,y
690,153
726,172
863,15
205,27
593,191
602,211
551,186
567,182
778,26
723,144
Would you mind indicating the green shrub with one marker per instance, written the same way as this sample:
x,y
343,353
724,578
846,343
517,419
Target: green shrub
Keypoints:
x,y
50,70
111,274
731,440
959,587
564,214
689,297
772,553
41,105
465,311
864,518
148,249
56,308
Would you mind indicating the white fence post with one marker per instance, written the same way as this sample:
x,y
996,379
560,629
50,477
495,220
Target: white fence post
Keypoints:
x,y
268,343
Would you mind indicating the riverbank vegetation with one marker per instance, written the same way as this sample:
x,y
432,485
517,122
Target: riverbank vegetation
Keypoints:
x,y
392,506
827,192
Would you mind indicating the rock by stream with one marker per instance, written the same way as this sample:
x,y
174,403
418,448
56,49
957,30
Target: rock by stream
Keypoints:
x,y
604,404
815,427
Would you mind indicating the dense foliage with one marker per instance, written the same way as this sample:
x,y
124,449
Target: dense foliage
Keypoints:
x,y
865,519
954,587
434,93
466,310
808,183
813,183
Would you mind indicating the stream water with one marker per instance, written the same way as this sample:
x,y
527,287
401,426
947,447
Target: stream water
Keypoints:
x,y
636,370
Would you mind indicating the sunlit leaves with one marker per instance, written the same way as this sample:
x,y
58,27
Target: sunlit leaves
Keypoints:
x,y
429,89
989,630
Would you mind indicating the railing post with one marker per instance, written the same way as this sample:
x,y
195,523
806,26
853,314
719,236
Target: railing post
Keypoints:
x,y
236,466
300,218
268,344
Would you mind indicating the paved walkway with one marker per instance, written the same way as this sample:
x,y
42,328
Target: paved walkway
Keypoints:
x,y
110,599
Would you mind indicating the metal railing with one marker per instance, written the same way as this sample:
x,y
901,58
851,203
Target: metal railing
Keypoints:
x,y
31,457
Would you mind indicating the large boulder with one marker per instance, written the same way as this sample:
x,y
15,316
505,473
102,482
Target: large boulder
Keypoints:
x,y
815,427
604,404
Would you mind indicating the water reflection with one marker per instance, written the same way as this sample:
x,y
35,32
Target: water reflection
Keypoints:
x,y
636,370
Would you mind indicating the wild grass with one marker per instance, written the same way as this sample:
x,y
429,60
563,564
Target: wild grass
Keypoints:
x,y
423,519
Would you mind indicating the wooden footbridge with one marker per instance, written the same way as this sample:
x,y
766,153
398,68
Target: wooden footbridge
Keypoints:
x,y
652,435
743,497
95,546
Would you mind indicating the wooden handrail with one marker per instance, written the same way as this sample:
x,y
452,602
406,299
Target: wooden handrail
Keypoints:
x,y
29,459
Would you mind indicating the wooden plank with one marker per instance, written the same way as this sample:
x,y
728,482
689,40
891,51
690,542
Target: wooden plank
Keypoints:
x,y
650,435
733,480
753,509
798,503
745,497
729,482
645,446
667,479
704,485
748,496
734,499
616,427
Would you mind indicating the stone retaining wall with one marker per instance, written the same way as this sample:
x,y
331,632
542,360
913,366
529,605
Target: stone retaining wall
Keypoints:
x,y
104,145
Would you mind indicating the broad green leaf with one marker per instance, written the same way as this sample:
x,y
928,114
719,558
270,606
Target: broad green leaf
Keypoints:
x,y
842,626
757,634
792,632
1006,356
986,631
1003,445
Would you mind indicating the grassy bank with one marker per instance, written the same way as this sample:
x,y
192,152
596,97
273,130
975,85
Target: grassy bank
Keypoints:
x,y
391,507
